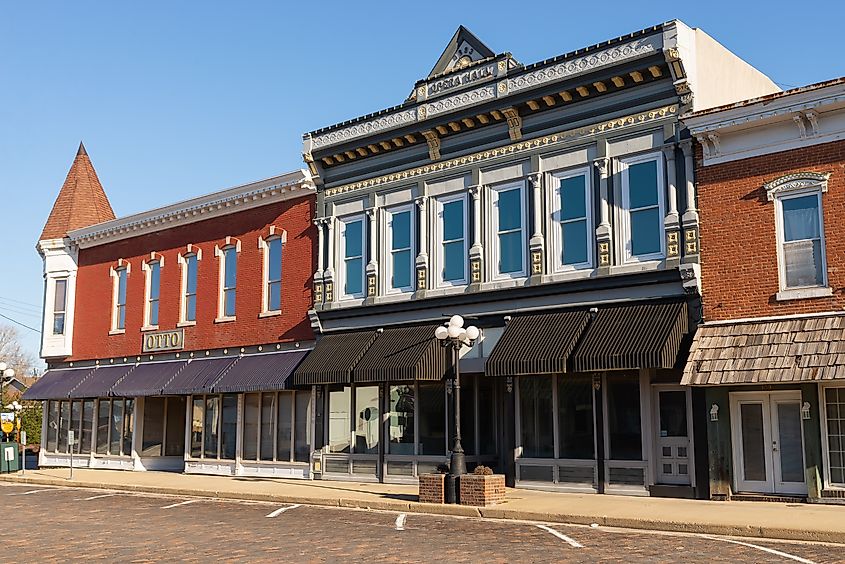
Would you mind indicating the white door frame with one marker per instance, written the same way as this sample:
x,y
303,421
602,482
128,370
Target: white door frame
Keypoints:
x,y
655,416
772,484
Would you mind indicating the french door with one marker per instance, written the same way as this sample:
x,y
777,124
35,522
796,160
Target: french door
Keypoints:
x,y
768,446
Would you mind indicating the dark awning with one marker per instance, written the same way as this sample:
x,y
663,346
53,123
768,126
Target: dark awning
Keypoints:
x,y
537,344
56,384
148,379
198,377
643,335
333,357
403,353
260,372
100,382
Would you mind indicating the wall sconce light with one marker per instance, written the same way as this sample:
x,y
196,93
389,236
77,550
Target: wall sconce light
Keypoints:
x,y
805,410
714,412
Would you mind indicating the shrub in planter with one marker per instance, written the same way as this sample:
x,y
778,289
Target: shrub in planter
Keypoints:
x,y
482,487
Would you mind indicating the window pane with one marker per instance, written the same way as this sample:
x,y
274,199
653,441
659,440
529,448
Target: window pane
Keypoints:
x,y
128,425
642,184
75,422
229,302
575,417
61,295
121,317
212,422
623,416
154,312
64,425
454,261
268,413
275,296
52,425
249,442
400,230
191,308
231,267
401,420
510,209
803,263
432,415
510,249
468,413
102,427
753,449
116,431
453,220
197,411
302,427
536,417
155,278
801,218
153,434
574,242
673,414
573,203
174,439
835,411
229,427
353,239
401,269
339,404
354,276
59,324
645,232
283,421
274,269
191,280
367,420
121,286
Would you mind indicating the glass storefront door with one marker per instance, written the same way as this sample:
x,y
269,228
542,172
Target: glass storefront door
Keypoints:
x,y
672,407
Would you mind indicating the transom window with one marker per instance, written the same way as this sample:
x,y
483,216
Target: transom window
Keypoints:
x,y
801,240
572,215
642,197
451,235
401,257
352,251
509,227
59,306
229,277
273,293
153,292
119,322
189,298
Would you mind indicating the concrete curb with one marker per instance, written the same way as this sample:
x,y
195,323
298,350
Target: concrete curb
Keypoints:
x,y
498,512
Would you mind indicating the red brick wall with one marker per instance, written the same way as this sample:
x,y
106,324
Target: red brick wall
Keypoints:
x,y
92,322
739,265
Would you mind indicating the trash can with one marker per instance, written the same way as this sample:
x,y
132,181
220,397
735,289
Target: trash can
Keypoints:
x,y
10,459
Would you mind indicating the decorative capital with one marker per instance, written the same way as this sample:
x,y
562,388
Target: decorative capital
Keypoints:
x,y
536,178
421,201
686,146
602,164
371,213
475,190
669,151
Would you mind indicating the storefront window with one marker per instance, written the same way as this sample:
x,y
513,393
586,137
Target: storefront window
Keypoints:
x,y
116,427
468,414
153,432
487,432
339,419
284,422
174,437
64,425
432,418
197,410
229,426
623,416
75,420
250,433
103,418
268,414
536,417
575,417
401,426
52,425
211,429
87,433
366,420
128,424
835,409
302,427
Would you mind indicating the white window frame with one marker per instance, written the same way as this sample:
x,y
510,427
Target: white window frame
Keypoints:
x,y
341,255
387,249
264,246
63,312
115,272
825,438
235,244
799,291
438,263
191,252
554,207
624,164
146,266
493,235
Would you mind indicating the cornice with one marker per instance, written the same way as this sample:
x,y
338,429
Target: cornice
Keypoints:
x,y
512,149
279,188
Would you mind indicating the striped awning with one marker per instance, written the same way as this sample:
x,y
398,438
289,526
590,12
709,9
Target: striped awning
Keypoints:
x,y
403,353
259,372
537,344
198,377
642,335
101,381
148,379
333,357
56,384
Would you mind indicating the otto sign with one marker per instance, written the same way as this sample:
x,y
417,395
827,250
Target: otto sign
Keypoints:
x,y
164,341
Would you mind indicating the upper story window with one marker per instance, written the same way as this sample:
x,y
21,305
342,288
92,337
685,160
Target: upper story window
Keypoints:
x,y
119,313
352,251
59,306
450,234
800,230
400,259
190,263
508,222
228,256
273,248
572,219
642,200
153,269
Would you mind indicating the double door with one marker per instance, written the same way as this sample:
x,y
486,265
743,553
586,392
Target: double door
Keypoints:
x,y
768,445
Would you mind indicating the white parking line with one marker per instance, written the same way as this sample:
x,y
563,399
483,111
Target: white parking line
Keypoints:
x,y
561,536
180,503
400,522
281,510
95,497
33,491
763,548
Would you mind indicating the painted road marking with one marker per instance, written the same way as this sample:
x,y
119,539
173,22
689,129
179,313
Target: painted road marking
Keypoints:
x,y
763,548
572,542
281,510
32,492
95,497
400,522
180,503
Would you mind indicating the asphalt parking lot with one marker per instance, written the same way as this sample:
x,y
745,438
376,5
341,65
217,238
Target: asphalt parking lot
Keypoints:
x,y
59,524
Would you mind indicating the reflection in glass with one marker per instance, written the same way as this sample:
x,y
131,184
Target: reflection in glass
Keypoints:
x,y
197,410
103,416
116,426
175,433
432,418
87,426
366,420
212,429
401,420
575,416
753,447
339,404
284,416
302,426
536,413
268,411
250,428
152,436
229,426
623,416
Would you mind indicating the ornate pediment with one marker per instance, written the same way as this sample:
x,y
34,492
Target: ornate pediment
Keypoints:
x,y
796,182
463,49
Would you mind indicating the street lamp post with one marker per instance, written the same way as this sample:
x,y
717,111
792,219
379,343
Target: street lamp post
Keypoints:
x,y
455,336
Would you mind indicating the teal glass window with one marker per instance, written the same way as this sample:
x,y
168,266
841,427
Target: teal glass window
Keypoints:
x,y
645,218
510,231
573,220
353,257
454,241
401,255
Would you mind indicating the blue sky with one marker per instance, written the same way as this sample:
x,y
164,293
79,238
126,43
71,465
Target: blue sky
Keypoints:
x,y
177,99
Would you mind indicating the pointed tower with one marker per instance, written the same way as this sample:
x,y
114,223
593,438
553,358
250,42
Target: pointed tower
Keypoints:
x,y
81,202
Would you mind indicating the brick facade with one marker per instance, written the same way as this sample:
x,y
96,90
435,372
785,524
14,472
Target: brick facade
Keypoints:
x,y
91,337
739,261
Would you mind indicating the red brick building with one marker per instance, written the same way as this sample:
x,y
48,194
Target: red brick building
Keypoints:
x,y
771,198
170,333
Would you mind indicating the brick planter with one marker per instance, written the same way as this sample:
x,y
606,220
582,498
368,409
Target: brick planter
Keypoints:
x,y
477,489
432,488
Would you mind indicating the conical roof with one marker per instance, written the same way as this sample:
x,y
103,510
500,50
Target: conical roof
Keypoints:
x,y
81,201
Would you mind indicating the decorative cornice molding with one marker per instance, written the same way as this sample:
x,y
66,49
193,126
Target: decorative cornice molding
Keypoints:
x,y
461,100
383,123
795,182
512,149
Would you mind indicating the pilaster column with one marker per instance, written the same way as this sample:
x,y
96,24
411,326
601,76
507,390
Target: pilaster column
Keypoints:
x,y
318,275
670,222
328,273
421,262
372,264
690,218
604,232
476,251
536,245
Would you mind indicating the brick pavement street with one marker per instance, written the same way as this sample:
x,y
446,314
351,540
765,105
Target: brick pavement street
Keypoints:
x,y
70,523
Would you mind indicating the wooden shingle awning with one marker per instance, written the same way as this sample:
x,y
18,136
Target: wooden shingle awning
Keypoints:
x,y
403,353
333,357
808,349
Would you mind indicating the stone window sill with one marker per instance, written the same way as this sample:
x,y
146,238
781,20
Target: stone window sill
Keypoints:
x,y
224,319
149,328
275,313
803,294
186,324
117,331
